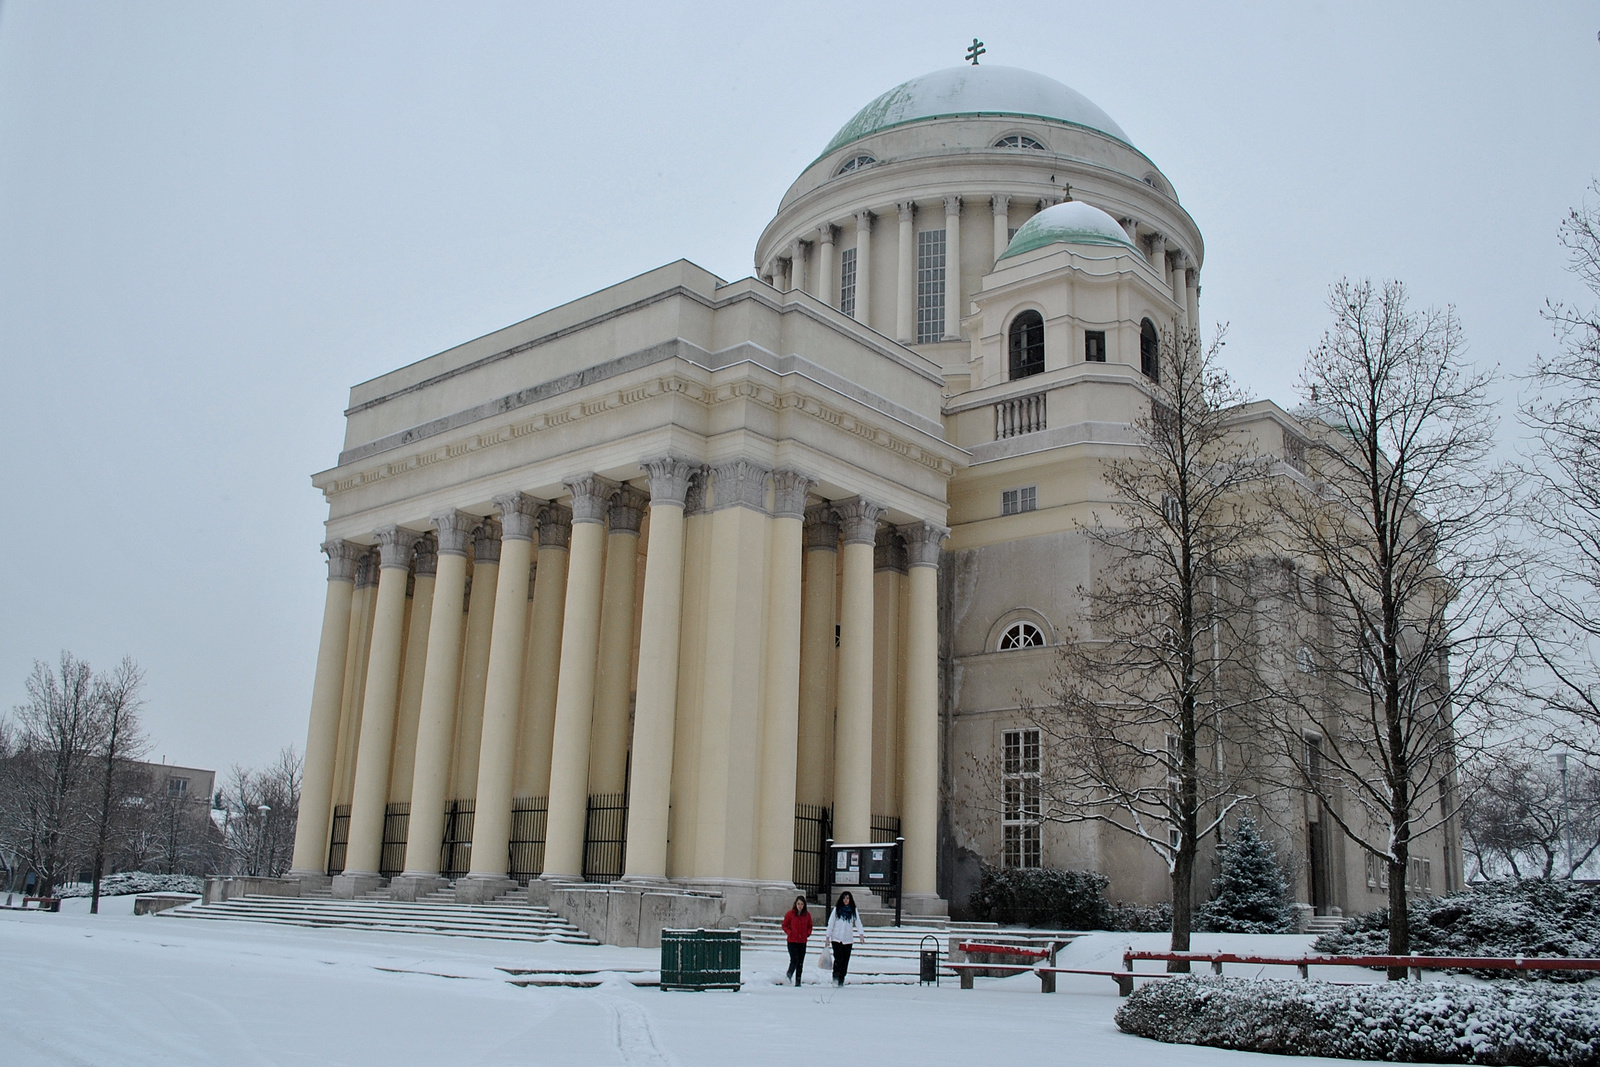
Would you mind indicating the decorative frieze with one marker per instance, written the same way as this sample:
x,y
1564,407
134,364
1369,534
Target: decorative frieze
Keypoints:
x,y
486,541
555,526
789,494
591,497
343,557
455,530
426,555
519,514
858,520
821,528
627,510
923,543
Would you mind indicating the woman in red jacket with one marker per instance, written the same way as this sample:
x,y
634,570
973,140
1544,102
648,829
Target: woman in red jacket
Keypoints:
x,y
797,931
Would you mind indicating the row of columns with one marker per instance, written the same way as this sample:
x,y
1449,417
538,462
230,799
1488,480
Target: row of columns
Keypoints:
x,y
556,688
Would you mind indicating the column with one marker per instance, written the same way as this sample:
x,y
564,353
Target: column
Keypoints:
x,y
888,582
475,659
608,743
376,747
863,265
327,693
683,820
1179,285
919,812
424,574
436,722
1130,226
1192,291
852,761
780,715
818,616
797,266
544,653
1001,206
491,827
355,674
953,304
1158,254
567,820
826,289
905,305
655,716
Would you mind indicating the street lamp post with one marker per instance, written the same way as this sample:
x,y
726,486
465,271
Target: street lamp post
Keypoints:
x,y
1566,810
261,835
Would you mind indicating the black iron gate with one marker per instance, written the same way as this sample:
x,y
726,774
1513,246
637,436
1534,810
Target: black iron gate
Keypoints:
x,y
339,841
528,820
605,837
813,826
396,823
455,852
885,829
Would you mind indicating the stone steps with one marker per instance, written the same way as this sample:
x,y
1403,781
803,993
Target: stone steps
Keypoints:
x,y
765,934
1324,924
506,920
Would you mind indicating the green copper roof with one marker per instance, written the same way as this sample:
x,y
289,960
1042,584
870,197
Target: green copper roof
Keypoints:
x,y
1072,223
976,91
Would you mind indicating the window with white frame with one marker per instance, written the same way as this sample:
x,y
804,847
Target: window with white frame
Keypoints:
x,y
930,286
177,787
1016,501
1419,874
1174,761
1021,809
855,163
1018,140
1021,635
847,282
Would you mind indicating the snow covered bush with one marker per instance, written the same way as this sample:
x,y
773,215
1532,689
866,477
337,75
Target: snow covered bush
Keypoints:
x,y
1408,1022
1041,896
1250,895
1532,917
118,885
1145,918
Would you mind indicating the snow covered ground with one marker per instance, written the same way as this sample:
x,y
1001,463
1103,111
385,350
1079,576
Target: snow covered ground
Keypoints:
x,y
120,990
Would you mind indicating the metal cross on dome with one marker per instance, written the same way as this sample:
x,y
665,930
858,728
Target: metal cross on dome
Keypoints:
x,y
975,50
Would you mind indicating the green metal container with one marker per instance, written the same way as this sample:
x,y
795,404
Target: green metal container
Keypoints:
x,y
699,959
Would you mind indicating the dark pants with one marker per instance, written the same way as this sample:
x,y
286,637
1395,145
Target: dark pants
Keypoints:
x,y
841,961
797,960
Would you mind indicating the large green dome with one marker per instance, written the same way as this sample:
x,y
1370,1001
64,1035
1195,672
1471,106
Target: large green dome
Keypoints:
x,y
1072,223
977,90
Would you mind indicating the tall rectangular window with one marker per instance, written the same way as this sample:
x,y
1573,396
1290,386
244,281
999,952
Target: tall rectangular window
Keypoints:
x,y
1094,346
847,282
930,286
1022,811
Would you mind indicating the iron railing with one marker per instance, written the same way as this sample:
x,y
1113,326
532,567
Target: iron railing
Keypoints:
x,y
455,851
339,840
528,821
813,826
606,837
1019,415
396,823
885,829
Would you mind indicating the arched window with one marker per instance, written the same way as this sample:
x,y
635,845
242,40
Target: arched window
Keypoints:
x,y
1021,635
854,164
1149,345
1027,344
1018,140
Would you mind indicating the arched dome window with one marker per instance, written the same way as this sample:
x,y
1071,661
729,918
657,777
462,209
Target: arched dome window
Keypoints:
x,y
1027,344
1020,635
1149,345
1018,140
855,163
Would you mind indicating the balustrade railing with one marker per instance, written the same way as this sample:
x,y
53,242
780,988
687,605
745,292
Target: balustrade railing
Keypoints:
x,y
1019,415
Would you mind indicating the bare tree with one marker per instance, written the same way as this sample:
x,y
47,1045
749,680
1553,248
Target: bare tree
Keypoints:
x,y
1134,714
1519,816
1564,504
123,742
262,808
1401,521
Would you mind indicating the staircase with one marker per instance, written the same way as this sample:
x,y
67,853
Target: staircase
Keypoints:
x,y
1324,924
765,934
508,918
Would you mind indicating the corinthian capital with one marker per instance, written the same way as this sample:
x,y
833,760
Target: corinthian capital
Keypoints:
x,y
789,496
1000,205
739,483
863,221
669,479
394,546
821,528
923,543
518,515
455,531
486,541
907,208
367,569
858,520
627,510
825,233
591,495
427,555
342,560
952,206
555,526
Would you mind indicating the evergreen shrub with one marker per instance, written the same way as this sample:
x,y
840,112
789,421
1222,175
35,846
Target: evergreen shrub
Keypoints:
x,y
1250,894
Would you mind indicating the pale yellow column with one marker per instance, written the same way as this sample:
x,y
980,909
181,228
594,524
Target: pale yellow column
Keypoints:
x,y
730,712
953,304
863,266
1180,285
827,290
905,304
491,827
919,814
567,819
403,765
655,716
1192,292
888,574
441,684
683,820
797,266
613,685
780,713
376,747
544,653
322,734
852,761
355,674
819,615
1001,206
475,658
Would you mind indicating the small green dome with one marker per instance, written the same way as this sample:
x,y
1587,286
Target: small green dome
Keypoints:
x,y
1071,223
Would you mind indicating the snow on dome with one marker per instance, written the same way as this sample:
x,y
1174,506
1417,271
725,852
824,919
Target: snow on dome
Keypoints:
x,y
969,90
1071,223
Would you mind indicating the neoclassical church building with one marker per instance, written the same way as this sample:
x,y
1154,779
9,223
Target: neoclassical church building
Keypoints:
x,y
637,601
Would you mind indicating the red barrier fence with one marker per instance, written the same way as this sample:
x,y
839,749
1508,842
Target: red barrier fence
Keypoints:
x,y
1005,950
1415,964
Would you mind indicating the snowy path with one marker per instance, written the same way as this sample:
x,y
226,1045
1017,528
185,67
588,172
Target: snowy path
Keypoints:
x,y
118,990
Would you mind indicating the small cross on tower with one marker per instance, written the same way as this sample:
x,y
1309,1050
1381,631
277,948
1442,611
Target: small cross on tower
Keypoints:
x,y
975,50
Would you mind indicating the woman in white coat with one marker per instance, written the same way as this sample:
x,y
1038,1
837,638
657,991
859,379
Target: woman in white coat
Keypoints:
x,y
844,932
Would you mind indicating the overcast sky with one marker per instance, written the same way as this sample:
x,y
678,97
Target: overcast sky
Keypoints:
x,y
216,218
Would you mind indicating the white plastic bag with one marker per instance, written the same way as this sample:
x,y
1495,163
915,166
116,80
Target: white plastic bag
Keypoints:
x,y
825,958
